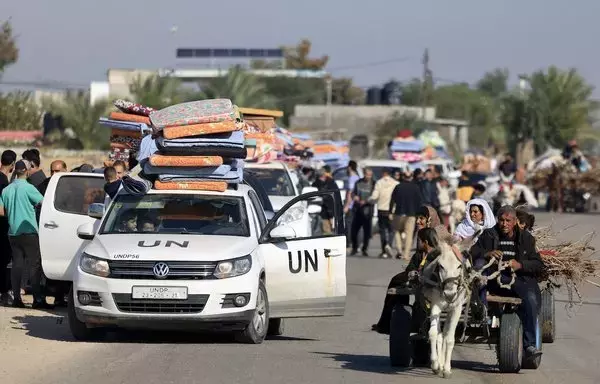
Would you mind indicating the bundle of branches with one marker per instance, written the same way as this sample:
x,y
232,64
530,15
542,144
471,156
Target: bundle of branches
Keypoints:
x,y
588,181
570,262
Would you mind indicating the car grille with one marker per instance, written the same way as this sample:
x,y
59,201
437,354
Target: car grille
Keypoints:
x,y
178,270
193,304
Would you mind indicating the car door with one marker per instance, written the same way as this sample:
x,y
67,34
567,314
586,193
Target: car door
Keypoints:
x,y
306,275
64,208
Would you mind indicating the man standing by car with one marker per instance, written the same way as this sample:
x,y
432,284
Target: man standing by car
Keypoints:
x,y
6,169
507,243
363,211
349,202
17,204
382,196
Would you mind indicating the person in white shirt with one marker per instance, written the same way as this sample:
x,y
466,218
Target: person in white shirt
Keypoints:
x,y
382,196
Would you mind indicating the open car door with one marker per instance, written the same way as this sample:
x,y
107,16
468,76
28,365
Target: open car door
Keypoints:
x,y
64,208
306,276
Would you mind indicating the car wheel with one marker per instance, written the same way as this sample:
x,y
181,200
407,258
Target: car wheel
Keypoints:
x,y
256,331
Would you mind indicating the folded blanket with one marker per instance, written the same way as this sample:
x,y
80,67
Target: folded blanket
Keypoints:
x,y
207,172
225,152
198,129
136,186
147,148
125,125
185,161
235,175
133,108
131,142
129,117
120,146
216,186
126,133
194,112
226,140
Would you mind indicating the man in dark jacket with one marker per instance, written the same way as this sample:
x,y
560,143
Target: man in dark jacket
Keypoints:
x,y
406,202
362,211
429,190
325,182
507,243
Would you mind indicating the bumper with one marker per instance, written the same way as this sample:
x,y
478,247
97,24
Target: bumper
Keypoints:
x,y
205,308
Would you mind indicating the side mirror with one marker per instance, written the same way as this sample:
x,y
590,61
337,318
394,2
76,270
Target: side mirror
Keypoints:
x,y
96,210
340,184
282,232
86,231
314,209
309,190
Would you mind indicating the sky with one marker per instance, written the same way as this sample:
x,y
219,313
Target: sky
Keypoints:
x,y
76,41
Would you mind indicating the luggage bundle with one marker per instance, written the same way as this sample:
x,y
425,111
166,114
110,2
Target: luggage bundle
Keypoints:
x,y
197,145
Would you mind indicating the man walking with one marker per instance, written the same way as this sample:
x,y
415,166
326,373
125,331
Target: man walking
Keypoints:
x,y
349,202
6,168
17,204
406,201
362,211
382,195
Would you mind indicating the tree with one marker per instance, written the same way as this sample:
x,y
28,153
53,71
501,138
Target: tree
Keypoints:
x,y
82,117
243,88
9,52
157,91
343,92
298,57
494,83
411,92
18,111
553,111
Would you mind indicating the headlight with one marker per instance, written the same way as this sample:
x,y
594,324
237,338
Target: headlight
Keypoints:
x,y
233,267
94,266
291,215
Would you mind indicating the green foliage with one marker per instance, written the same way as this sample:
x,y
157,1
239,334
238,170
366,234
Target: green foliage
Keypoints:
x,y
553,111
156,91
82,118
19,112
9,52
289,91
388,129
243,88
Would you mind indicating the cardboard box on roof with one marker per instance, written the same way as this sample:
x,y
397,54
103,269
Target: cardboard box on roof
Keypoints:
x,y
263,119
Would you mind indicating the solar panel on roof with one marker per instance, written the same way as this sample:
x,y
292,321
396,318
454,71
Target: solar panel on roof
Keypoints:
x,y
229,52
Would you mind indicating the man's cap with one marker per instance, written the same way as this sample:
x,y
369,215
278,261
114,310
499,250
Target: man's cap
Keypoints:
x,y
22,166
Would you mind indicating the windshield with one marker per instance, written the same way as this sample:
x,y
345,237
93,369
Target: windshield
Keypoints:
x,y
276,182
180,214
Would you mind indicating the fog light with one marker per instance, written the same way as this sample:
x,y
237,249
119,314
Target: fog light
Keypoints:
x,y
84,298
239,301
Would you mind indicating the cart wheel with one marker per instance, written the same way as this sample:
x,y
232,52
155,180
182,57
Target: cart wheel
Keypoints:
x,y
400,345
548,315
510,343
535,362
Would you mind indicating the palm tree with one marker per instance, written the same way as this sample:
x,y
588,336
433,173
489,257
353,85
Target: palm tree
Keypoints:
x,y
553,111
82,117
243,88
157,91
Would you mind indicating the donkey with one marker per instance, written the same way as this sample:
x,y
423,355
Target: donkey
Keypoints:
x,y
446,286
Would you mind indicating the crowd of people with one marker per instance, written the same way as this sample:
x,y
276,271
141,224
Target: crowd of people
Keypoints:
x,y
23,184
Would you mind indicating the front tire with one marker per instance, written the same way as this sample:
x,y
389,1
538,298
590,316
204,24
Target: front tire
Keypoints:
x,y
510,343
400,343
79,329
256,331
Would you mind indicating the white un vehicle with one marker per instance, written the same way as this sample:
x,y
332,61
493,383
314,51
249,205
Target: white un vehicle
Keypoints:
x,y
188,259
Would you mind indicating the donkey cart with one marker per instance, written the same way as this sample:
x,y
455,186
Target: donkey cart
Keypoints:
x,y
497,324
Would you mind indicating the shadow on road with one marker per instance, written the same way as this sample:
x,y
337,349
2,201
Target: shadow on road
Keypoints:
x,y
56,328
474,366
374,364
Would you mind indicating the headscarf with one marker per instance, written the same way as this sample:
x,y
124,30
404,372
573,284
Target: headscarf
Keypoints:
x,y
433,221
468,228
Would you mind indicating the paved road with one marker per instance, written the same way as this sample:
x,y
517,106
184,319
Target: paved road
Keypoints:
x,y
37,346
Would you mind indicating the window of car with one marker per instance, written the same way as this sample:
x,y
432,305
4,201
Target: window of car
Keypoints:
x,y
75,194
276,182
177,214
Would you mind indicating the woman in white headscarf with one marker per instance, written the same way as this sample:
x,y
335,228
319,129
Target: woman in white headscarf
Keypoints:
x,y
479,216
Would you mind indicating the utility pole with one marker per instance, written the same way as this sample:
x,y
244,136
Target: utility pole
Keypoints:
x,y
426,75
329,91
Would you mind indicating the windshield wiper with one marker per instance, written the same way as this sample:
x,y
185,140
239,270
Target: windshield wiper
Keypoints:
x,y
182,231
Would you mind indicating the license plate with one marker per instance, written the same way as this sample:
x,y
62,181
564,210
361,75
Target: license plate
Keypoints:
x,y
159,293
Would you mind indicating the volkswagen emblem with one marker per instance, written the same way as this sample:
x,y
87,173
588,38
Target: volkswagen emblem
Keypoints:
x,y
161,270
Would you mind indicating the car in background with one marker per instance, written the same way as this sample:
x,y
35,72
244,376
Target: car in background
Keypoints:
x,y
281,186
